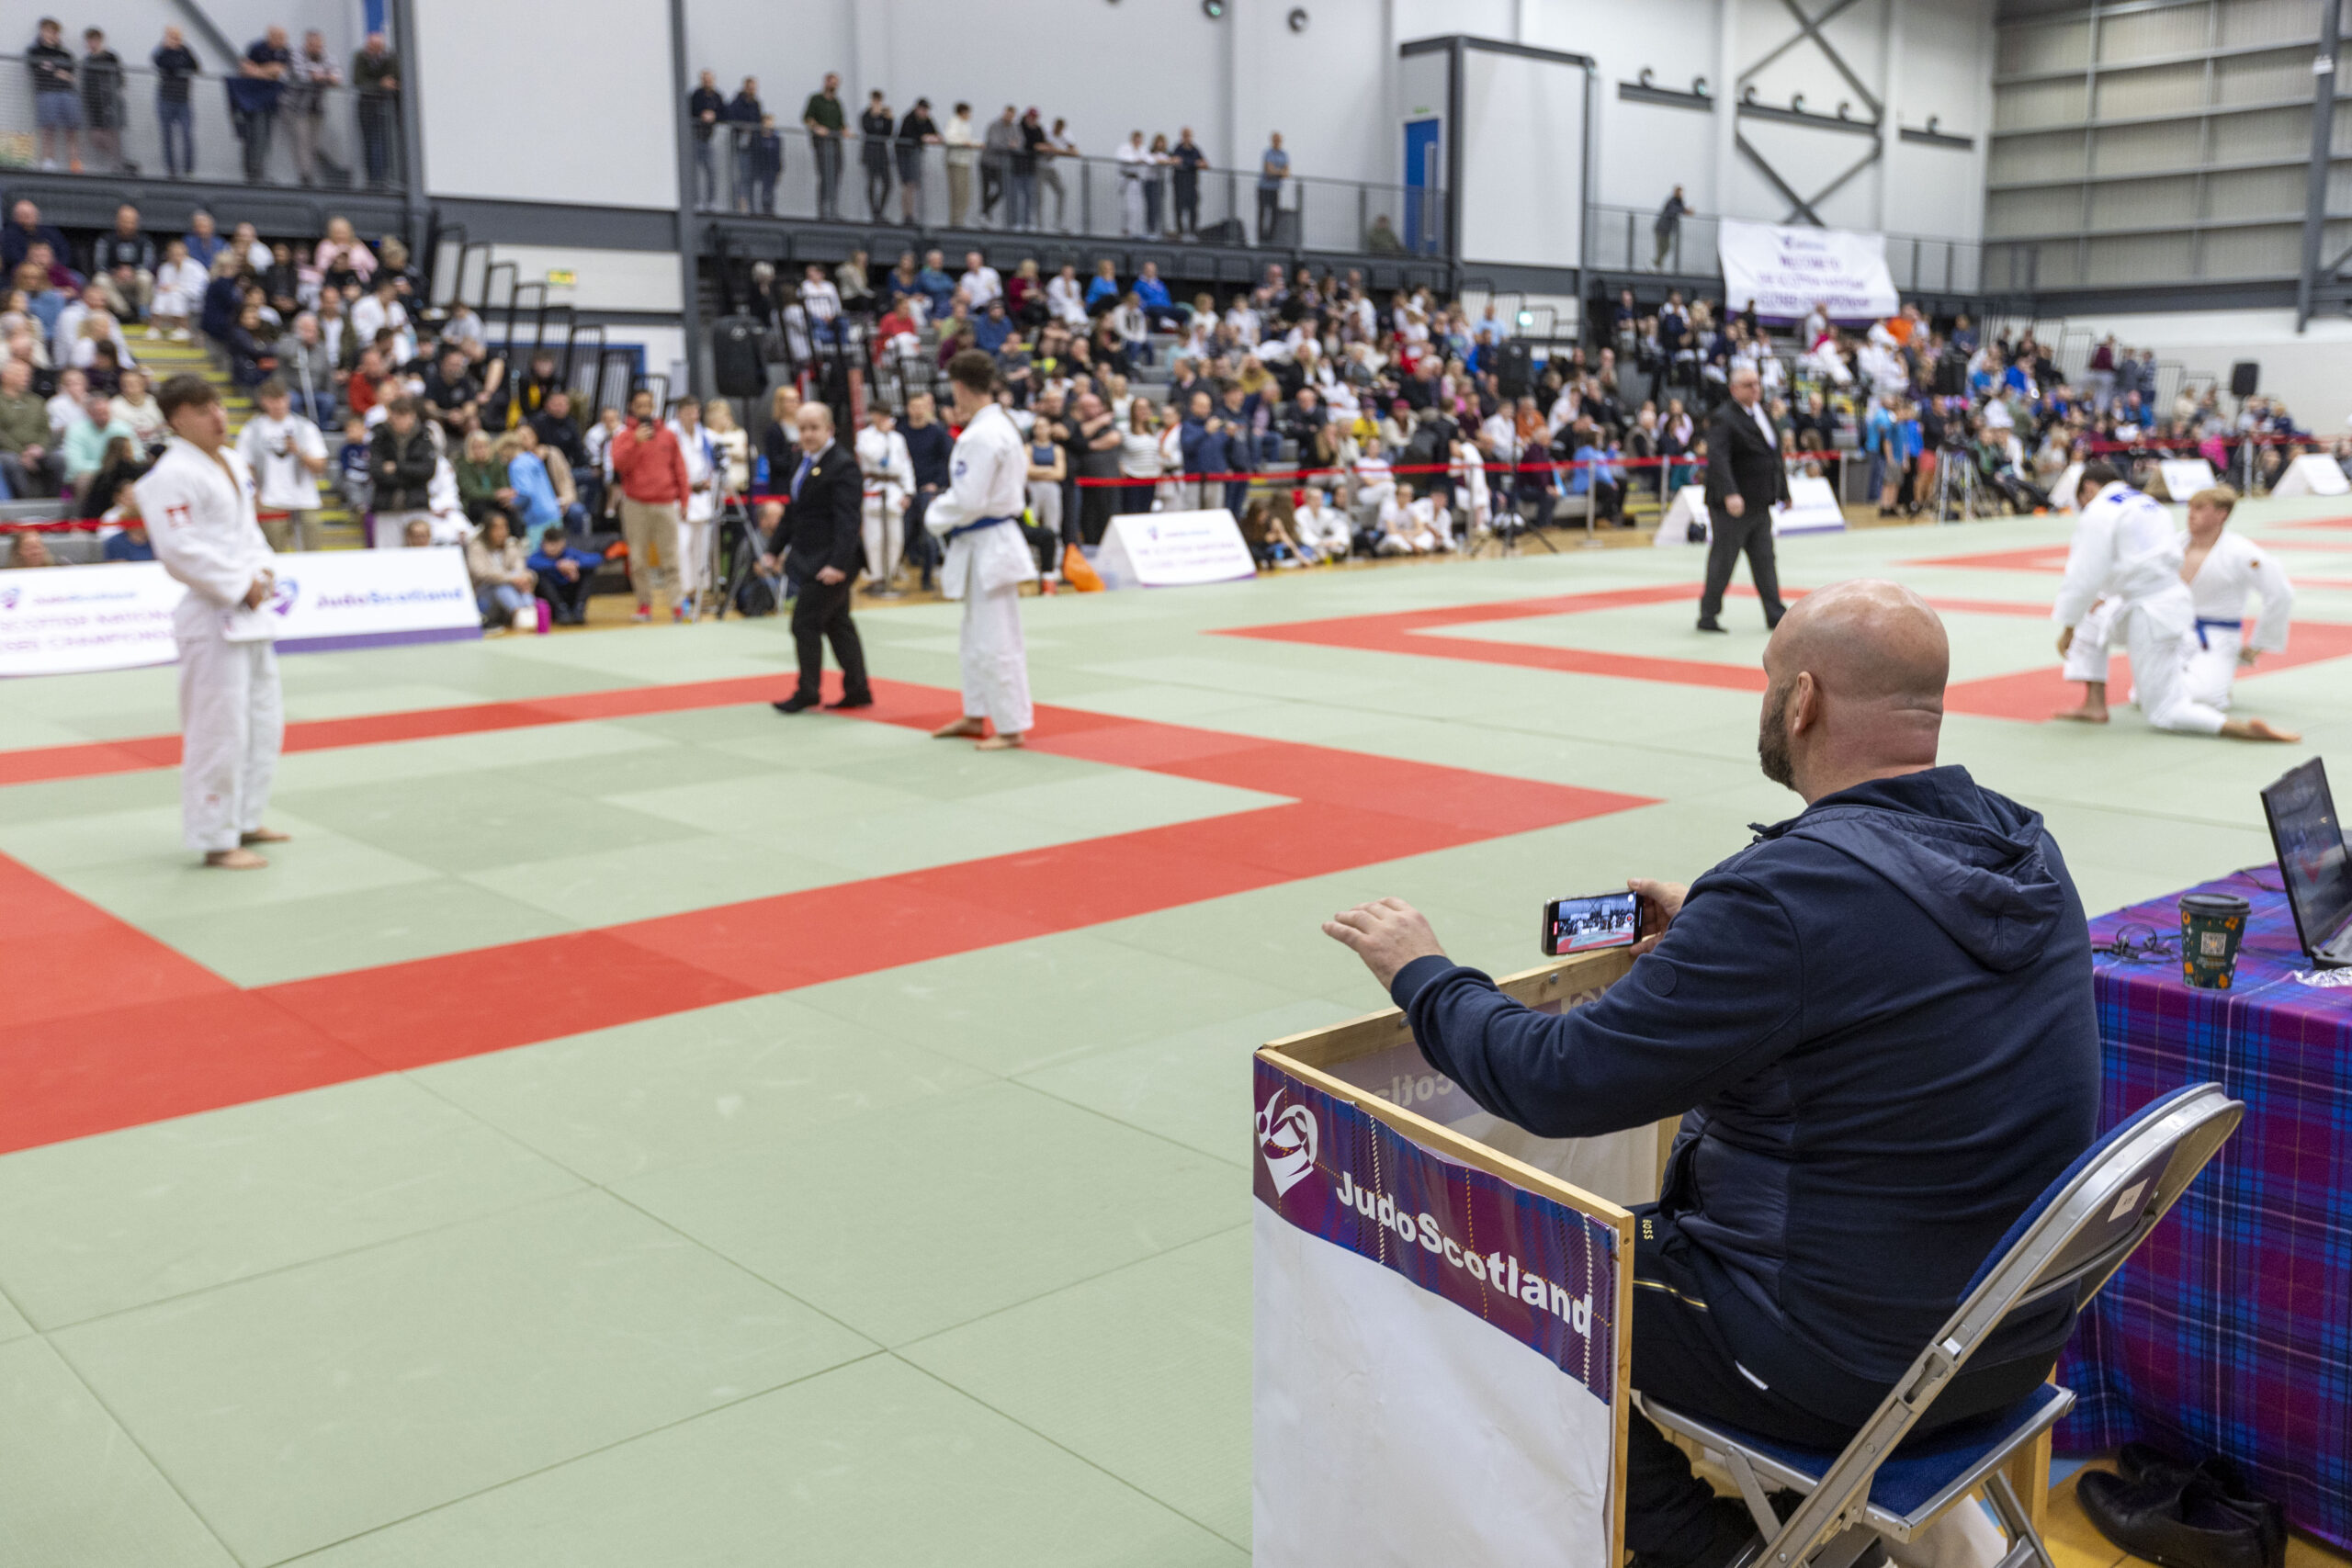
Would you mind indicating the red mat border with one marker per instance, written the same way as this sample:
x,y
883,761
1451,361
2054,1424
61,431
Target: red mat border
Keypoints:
x,y
124,1030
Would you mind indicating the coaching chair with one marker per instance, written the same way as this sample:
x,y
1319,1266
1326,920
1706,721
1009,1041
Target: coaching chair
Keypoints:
x,y
2073,1238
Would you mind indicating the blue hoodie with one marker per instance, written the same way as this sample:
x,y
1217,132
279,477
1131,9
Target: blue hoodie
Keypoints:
x,y
1876,1022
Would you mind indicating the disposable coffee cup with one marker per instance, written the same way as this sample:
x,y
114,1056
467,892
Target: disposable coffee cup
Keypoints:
x,y
2211,925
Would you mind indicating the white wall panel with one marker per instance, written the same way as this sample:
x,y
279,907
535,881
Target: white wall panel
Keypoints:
x,y
1522,151
498,81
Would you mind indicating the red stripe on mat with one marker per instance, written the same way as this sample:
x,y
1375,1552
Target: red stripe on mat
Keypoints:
x,y
124,1031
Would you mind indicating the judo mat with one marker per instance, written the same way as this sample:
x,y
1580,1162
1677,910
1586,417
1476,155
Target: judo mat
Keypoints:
x,y
627,1125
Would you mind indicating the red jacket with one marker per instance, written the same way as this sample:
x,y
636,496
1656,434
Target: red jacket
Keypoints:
x,y
650,472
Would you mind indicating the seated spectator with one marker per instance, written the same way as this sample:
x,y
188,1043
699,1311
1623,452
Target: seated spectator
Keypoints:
x,y
68,403
281,282
25,233
480,476
503,584
561,574
416,534
122,263
381,308
99,360
1102,290
452,395
224,298
28,550
203,241
135,405
351,464
1375,479
179,293
1321,527
307,367
1064,299
129,543
989,334
1151,293
936,284
555,427
29,463
341,257
252,357
84,448
122,466
529,493
1410,525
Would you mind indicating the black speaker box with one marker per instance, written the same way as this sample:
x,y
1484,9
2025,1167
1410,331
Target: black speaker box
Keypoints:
x,y
2246,378
735,358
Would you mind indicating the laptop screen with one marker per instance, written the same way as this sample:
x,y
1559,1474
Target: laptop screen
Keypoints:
x,y
2312,857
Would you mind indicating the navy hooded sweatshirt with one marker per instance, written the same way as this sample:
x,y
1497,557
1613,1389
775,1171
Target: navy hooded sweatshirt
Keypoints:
x,y
1878,1020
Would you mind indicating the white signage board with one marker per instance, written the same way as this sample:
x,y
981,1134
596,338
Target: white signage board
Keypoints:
x,y
1788,270
2185,477
61,620
2313,473
1813,508
1172,549
1689,506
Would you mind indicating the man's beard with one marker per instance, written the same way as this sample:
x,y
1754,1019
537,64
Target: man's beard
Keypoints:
x,y
1772,738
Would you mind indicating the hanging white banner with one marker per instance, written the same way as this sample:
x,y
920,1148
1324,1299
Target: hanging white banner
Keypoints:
x,y
1787,271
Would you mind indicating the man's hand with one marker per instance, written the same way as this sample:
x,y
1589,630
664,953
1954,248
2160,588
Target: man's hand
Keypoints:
x,y
767,566
1386,935
830,575
1737,505
2247,655
569,568
1662,902
258,593
2065,641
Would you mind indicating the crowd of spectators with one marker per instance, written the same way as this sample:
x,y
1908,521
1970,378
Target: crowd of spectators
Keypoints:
x,y
83,103
998,172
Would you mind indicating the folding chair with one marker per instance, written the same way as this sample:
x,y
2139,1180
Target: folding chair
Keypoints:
x,y
2073,1238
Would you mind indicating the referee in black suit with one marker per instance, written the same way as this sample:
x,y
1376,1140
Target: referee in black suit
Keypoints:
x,y
823,550
1745,478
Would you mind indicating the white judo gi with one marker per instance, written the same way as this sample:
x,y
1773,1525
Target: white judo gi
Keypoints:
x,y
2125,549
701,510
200,515
988,560
2236,567
889,480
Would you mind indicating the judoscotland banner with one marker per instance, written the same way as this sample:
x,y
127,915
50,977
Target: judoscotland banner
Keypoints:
x,y
1437,1351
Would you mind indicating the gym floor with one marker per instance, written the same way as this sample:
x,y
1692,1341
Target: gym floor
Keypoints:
x,y
627,1126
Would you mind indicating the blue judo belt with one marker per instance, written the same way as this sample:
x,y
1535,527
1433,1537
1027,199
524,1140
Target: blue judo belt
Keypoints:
x,y
2238,626
978,523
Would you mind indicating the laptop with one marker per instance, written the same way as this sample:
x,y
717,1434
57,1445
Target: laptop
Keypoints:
x,y
2313,862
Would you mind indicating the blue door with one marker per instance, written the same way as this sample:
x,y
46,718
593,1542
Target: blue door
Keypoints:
x,y
1424,186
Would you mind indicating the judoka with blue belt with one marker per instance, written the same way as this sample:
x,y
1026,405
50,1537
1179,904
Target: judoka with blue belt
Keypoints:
x,y
988,560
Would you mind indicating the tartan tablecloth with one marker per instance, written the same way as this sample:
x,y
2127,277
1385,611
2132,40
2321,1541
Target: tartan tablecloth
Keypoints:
x,y
2231,1329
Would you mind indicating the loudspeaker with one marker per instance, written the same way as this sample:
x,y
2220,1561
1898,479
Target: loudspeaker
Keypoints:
x,y
2246,378
735,358
1514,369
1231,232
1951,373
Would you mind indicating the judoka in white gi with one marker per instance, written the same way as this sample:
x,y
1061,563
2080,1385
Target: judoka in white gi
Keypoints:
x,y
197,501
889,473
988,560
2128,580
705,473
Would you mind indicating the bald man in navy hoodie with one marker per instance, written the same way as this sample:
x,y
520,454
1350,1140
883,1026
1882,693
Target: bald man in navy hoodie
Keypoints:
x,y
1876,1023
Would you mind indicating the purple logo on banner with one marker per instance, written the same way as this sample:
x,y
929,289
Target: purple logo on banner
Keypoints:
x,y
1535,1268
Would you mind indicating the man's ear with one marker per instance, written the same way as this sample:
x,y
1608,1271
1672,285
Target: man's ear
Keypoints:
x,y
1805,703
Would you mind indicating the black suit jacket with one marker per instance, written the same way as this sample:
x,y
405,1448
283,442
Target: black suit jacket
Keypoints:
x,y
1740,460
821,524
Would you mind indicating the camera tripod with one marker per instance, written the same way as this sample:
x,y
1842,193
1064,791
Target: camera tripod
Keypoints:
x,y
1966,492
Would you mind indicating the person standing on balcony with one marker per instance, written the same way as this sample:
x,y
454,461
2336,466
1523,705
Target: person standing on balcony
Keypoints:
x,y
1668,228
1273,167
876,128
825,121
255,95
766,164
1057,146
376,71
1028,153
963,151
1134,164
102,101
705,107
1188,161
306,103
56,104
916,131
176,66
1003,136
744,113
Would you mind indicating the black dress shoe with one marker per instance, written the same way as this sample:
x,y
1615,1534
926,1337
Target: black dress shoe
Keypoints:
x,y
1709,623
796,703
2175,1526
2146,1465
862,700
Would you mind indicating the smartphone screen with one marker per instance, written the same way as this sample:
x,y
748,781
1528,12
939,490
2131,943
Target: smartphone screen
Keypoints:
x,y
1580,925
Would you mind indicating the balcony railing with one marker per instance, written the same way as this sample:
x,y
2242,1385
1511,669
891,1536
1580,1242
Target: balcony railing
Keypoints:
x,y
335,138
1080,197
1625,238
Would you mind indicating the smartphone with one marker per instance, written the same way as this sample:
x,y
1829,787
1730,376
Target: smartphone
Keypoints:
x,y
1597,921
